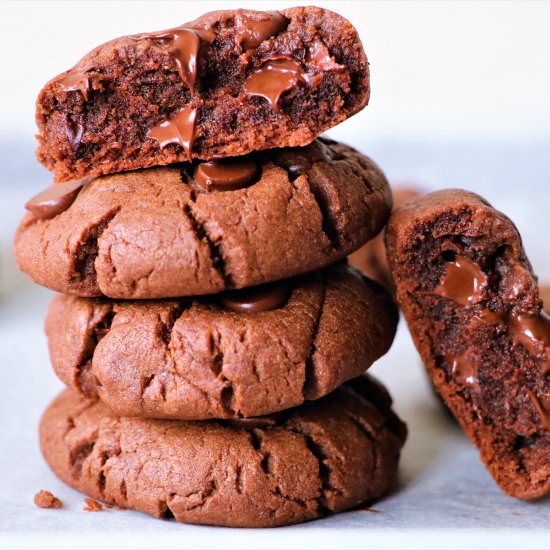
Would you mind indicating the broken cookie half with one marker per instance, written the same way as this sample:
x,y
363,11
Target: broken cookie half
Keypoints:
x,y
472,304
225,84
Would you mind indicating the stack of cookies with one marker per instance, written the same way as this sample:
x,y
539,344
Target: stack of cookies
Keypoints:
x,y
211,335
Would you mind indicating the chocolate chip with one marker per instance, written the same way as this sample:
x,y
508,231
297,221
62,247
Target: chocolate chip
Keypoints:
x,y
55,199
226,175
257,299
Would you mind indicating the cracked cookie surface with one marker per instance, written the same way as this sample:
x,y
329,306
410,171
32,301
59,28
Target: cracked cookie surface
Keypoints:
x,y
197,359
324,457
470,298
156,234
226,84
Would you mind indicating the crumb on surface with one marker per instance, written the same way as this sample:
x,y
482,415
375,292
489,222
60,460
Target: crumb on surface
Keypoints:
x,y
45,499
369,509
92,505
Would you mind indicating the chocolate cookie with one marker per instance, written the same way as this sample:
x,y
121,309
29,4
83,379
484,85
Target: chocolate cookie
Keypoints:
x,y
226,84
471,301
205,227
243,353
323,457
371,259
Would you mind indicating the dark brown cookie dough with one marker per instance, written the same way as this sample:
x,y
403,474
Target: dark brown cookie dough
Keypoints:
x,y
471,301
371,259
324,457
226,84
158,233
194,360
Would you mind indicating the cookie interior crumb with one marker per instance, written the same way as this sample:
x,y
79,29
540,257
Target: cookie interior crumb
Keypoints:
x,y
45,499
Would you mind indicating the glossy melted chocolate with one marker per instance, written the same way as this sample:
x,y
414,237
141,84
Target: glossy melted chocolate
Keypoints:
x,y
179,129
185,43
464,282
55,199
226,175
463,369
252,30
74,80
276,76
257,299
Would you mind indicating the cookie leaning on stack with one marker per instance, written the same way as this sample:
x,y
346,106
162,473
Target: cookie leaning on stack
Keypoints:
x,y
471,300
237,310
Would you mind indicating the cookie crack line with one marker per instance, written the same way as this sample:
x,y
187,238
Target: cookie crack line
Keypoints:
x,y
325,485
327,222
101,328
87,250
310,379
216,255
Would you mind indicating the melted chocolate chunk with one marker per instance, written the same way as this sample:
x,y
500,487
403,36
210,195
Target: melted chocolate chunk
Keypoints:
x,y
226,175
463,282
180,129
74,131
252,30
186,43
55,199
277,75
463,369
257,299
74,80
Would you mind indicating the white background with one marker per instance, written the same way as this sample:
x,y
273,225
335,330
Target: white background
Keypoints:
x,y
460,97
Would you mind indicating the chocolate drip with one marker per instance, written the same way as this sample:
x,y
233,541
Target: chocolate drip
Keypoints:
x,y
226,175
257,299
55,199
252,30
180,129
186,43
463,282
542,405
277,75
74,80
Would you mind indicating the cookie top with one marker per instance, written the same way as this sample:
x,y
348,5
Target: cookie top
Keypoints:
x,y
323,457
229,83
204,227
472,304
242,353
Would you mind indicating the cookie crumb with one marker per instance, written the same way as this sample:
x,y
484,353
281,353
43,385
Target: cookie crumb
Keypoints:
x,y
92,505
369,509
45,499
